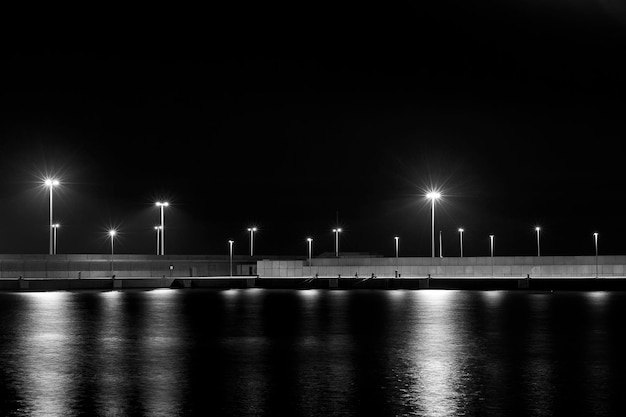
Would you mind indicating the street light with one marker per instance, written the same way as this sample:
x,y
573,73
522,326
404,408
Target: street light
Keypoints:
x,y
433,196
112,234
440,245
538,229
252,230
51,183
54,229
158,234
336,232
461,240
161,205
397,241
595,240
491,251
230,252
310,248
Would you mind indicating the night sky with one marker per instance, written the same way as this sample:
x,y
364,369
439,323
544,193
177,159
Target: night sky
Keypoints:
x,y
287,117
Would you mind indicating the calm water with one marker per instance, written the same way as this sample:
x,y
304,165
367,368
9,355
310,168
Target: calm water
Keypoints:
x,y
312,353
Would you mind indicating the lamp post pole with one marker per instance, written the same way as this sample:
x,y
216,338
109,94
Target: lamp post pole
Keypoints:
x,y
51,183
162,205
461,240
491,248
310,249
55,228
112,234
336,232
230,252
251,230
538,229
158,234
440,245
595,241
432,196
397,244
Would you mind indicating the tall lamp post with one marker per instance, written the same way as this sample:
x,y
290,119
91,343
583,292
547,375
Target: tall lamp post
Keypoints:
x,y
433,196
51,183
461,230
336,232
112,234
252,230
162,205
54,229
397,244
595,241
491,237
230,253
158,234
440,245
309,242
538,229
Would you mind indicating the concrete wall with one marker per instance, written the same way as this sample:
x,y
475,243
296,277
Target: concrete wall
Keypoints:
x,y
518,266
127,266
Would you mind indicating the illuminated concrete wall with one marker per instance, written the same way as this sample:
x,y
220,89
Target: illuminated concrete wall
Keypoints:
x,y
544,266
129,266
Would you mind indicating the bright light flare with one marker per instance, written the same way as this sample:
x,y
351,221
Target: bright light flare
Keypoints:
x,y
433,195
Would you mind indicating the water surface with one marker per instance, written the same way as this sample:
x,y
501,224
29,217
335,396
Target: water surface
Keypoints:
x,y
312,353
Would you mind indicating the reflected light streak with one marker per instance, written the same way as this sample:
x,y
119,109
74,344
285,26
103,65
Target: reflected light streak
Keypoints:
x,y
309,294
396,294
232,292
436,370
111,387
161,347
45,365
493,298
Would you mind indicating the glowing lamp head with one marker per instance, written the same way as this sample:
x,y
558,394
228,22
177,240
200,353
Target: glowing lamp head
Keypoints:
x,y
308,239
251,229
461,230
433,195
51,182
162,203
112,232
537,228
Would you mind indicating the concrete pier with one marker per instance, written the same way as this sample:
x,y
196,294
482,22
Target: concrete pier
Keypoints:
x,y
94,272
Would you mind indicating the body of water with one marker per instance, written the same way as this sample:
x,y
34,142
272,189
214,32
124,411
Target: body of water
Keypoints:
x,y
312,353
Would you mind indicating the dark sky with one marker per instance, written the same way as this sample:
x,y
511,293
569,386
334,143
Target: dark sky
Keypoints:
x,y
285,116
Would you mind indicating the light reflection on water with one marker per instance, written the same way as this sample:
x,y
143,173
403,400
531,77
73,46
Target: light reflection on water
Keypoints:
x,y
312,353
